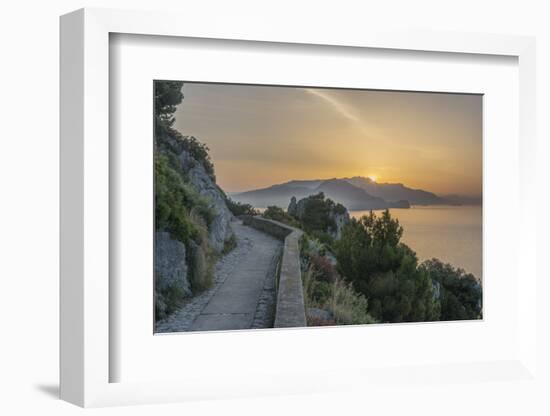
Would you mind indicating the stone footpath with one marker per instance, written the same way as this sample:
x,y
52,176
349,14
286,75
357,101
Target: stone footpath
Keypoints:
x,y
243,295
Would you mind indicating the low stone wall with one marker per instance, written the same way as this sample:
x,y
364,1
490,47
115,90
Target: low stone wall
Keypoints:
x,y
290,310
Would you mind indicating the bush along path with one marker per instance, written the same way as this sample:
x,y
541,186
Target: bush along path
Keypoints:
x,y
243,295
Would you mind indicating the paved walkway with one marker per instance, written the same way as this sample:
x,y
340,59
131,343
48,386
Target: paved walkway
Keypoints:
x,y
243,295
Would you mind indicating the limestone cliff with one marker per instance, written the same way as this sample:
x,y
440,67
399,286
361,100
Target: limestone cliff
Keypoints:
x,y
193,223
316,212
194,171
219,231
171,264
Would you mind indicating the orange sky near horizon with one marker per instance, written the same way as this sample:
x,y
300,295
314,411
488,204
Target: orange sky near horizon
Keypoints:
x,y
263,135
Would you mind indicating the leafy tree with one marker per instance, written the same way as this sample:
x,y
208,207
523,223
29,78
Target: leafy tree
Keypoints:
x,y
278,214
167,97
383,269
370,246
460,292
200,152
238,208
179,208
317,214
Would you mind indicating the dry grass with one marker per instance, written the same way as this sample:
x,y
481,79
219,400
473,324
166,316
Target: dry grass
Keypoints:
x,y
347,306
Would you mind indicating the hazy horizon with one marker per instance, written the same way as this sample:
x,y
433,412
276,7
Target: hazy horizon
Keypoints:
x,y
262,135
380,182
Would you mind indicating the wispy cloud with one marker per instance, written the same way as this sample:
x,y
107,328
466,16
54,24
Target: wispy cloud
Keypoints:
x,y
336,104
368,129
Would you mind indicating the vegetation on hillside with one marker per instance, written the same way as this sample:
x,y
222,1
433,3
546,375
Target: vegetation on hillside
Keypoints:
x,y
371,257
175,200
365,274
278,214
238,208
168,96
460,293
317,216
179,208
379,274
325,289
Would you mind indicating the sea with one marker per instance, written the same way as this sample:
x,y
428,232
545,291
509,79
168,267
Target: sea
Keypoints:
x,y
453,234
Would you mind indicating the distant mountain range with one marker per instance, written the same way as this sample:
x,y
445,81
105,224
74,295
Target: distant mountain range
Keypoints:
x,y
357,193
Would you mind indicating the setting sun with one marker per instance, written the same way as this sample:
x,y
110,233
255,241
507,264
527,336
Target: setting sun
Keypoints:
x,y
435,134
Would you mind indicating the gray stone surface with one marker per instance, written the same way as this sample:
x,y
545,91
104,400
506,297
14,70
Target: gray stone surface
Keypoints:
x,y
290,308
290,311
340,220
219,322
220,230
274,228
234,304
170,263
265,311
244,282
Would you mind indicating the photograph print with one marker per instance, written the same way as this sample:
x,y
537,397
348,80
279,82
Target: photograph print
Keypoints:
x,y
286,206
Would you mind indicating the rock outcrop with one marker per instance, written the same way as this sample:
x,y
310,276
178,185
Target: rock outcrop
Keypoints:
x,y
337,214
195,222
293,207
219,231
198,266
340,219
171,269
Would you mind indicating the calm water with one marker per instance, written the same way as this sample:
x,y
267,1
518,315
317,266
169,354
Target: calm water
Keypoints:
x,y
452,234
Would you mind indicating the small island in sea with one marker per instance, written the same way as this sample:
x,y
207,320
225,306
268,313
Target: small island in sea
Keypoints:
x,y
293,207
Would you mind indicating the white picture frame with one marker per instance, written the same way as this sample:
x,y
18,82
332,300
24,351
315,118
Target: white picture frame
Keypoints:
x,y
86,356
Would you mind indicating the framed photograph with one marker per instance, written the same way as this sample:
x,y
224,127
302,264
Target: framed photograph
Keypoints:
x,y
247,214
273,223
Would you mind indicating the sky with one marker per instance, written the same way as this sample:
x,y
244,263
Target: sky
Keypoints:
x,y
264,135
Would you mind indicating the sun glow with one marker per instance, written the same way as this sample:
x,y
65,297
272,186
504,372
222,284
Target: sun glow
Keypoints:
x,y
372,177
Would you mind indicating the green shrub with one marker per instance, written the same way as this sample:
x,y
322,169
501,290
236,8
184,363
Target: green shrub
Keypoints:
x,y
326,290
325,238
460,292
201,269
179,208
322,269
167,301
371,257
347,306
320,292
198,150
278,214
167,96
316,216
174,199
230,244
238,208
310,246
